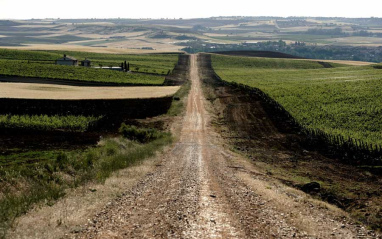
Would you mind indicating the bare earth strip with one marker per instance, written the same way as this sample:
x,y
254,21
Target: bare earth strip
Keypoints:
x,y
202,190
59,92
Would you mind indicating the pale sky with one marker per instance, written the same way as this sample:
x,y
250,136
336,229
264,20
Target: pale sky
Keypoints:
x,y
27,9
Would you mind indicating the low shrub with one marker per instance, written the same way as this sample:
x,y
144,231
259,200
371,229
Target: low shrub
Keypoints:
x,y
141,135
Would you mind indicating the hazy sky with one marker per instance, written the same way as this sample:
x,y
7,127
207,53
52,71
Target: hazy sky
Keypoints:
x,y
26,9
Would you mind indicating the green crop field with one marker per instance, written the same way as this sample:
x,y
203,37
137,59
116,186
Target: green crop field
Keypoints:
x,y
343,100
154,63
25,69
48,123
149,63
27,55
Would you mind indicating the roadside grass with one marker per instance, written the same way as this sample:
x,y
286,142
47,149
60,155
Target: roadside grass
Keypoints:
x,y
20,157
177,105
24,185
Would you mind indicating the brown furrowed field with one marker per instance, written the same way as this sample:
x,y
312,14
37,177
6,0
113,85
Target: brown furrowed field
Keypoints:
x,y
62,92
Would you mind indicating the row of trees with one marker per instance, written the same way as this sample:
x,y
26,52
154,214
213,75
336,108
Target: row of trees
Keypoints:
x,y
125,66
301,49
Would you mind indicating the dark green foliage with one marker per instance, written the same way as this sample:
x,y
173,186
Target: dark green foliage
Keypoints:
x,y
48,123
141,135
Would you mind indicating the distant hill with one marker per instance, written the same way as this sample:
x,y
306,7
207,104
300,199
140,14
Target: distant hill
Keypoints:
x,y
269,54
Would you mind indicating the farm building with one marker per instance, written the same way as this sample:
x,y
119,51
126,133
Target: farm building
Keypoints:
x,y
86,63
67,61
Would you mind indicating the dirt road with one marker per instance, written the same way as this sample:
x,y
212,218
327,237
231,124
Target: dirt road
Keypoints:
x,y
202,190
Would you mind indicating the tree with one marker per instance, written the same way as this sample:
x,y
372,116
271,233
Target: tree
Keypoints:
x,y
128,66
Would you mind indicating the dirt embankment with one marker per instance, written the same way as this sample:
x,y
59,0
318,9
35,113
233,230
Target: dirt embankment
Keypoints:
x,y
275,147
180,73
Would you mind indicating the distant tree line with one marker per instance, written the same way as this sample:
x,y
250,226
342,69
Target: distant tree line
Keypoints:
x,y
301,49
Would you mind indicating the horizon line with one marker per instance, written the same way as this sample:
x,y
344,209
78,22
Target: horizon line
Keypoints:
x,y
179,18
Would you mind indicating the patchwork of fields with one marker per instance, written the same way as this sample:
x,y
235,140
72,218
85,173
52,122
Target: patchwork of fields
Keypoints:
x,y
32,81
52,117
144,69
148,63
343,100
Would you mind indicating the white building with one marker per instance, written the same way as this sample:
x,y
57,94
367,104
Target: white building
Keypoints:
x,y
67,61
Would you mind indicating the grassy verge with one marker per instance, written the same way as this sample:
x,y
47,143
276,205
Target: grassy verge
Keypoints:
x,y
23,185
177,105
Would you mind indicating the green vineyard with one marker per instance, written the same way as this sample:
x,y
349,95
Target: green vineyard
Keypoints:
x,y
342,103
